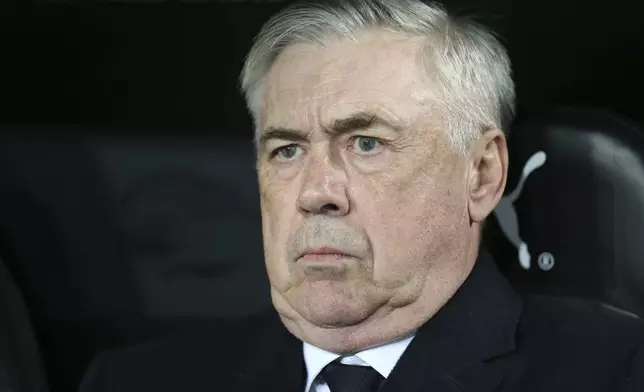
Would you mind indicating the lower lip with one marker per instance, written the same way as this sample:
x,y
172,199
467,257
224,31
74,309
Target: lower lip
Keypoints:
x,y
329,257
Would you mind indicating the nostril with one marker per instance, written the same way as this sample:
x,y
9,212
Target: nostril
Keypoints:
x,y
329,208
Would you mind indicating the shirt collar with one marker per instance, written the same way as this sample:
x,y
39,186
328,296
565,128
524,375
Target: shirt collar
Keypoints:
x,y
381,358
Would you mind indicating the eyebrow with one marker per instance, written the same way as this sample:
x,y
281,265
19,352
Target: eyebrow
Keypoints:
x,y
353,122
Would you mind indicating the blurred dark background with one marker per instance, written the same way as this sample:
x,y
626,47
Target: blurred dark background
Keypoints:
x,y
128,203
163,63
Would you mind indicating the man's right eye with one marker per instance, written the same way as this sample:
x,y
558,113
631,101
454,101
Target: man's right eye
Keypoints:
x,y
287,153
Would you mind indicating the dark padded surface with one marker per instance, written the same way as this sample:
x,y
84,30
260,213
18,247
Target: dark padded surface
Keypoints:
x,y
4,380
581,214
118,237
21,367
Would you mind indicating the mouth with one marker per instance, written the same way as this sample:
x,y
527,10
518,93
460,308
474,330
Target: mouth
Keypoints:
x,y
327,254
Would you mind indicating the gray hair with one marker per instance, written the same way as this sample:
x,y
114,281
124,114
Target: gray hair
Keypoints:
x,y
471,70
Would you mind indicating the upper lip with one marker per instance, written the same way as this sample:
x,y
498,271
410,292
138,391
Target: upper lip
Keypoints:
x,y
324,250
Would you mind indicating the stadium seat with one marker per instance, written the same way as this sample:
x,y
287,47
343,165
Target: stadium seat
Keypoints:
x,y
117,237
570,224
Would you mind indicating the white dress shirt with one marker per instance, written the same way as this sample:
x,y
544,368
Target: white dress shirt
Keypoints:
x,y
382,359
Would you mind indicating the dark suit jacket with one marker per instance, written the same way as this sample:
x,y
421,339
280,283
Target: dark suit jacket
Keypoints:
x,y
487,338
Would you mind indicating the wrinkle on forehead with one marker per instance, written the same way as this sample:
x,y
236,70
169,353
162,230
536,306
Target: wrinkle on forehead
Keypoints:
x,y
378,72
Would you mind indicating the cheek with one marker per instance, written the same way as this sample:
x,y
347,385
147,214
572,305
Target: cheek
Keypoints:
x,y
410,224
278,221
274,196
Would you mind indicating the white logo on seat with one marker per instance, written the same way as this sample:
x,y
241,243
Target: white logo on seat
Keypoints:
x,y
506,215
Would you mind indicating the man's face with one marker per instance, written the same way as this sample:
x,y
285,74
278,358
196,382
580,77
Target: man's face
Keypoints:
x,y
364,205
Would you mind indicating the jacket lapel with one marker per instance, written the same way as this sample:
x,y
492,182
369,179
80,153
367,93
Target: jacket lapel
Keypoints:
x,y
464,347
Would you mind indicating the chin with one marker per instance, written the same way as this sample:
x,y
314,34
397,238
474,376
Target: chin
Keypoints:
x,y
333,304
333,319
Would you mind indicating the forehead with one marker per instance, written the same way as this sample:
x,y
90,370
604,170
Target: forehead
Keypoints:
x,y
379,72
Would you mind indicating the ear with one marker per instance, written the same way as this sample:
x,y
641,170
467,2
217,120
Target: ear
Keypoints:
x,y
488,174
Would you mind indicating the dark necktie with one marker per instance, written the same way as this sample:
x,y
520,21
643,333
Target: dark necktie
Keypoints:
x,y
351,378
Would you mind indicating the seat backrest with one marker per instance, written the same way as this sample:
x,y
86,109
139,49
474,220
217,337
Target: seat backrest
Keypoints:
x,y
4,379
21,366
118,237
572,219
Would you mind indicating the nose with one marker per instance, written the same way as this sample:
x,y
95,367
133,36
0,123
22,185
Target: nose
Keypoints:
x,y
324,189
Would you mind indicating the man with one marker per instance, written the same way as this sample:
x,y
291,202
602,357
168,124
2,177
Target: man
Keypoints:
x,y
380,153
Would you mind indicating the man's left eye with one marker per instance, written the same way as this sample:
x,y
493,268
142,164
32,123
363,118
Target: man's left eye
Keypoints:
x,y
366,144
